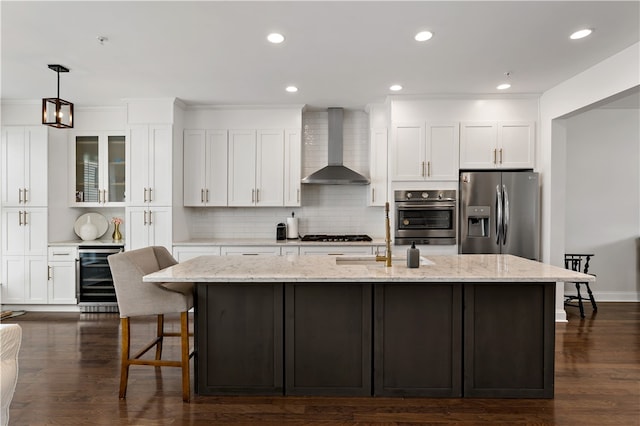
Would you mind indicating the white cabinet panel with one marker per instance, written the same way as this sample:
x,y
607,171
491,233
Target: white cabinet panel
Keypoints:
x,y
148,226
426,151
184,253
24,279
24,166
205,168
149,165
242,168
24,231
292,167
270,168
496,145
378,167
62,283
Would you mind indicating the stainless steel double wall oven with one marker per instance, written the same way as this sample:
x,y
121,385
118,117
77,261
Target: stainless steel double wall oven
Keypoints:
x,y
426,217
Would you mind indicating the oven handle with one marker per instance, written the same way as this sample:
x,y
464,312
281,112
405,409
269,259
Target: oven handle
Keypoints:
x,y
104,250
420,206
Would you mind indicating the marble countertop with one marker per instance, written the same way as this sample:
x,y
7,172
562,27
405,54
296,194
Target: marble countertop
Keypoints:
x,y
451,268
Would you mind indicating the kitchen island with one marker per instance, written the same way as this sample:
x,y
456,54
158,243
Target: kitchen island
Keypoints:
x,y
458,326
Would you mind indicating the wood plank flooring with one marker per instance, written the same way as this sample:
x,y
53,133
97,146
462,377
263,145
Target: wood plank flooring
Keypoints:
x,y
69,372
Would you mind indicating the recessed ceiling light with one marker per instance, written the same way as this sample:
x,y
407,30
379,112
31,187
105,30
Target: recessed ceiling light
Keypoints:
x,y
580,34
395,87
275,38
423,36
503,86
291,89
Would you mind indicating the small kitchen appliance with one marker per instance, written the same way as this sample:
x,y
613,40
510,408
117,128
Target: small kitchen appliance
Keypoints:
x,y
281,232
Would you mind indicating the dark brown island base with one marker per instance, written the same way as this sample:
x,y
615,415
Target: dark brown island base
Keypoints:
x,y
458,326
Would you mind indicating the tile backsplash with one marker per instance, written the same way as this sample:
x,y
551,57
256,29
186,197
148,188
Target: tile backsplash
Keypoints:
x,y
334,209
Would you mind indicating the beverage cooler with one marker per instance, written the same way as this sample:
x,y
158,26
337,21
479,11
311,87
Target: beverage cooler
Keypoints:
x,y
94,283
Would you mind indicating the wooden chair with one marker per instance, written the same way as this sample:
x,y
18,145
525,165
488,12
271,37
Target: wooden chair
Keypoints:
x,y
574,261
137,298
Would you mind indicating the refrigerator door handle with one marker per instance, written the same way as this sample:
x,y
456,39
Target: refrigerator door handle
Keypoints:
x,y
505,227
498,214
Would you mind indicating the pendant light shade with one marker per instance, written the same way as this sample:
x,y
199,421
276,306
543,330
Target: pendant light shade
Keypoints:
x,y
57,112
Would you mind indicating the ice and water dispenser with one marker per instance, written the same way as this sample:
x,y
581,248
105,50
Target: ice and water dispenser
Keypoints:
x,y
478,221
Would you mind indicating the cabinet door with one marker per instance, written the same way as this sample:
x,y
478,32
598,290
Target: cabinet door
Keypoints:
x,y
194,168
24,166
270,168
443,143
62,283
114,170
292,167
478,146
137,227
378,165
242,167
36,231
184,253
36,281
408,152
138,165
516,145
14,278
159,222
216,168
86,170
13,231
160,166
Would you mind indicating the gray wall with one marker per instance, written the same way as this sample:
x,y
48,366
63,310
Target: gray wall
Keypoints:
x,y
603,197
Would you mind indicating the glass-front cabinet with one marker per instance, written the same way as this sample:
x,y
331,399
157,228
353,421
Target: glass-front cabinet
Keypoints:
x,y
98,172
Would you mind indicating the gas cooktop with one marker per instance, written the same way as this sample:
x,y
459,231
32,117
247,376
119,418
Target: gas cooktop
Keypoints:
x,y
336,238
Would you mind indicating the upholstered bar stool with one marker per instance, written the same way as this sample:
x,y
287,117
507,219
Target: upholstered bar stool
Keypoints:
x,y
574,261
138,298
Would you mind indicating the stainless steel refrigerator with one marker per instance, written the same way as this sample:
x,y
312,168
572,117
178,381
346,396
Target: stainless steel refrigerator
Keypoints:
x,y
499,212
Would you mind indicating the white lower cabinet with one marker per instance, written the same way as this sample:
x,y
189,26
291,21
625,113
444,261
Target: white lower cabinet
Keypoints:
x,y
24,279
184,253
250,250
62,275
336,250
148,226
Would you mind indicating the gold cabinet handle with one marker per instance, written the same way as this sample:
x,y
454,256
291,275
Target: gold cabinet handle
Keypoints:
x,y
150,217
207,194
25,195
150,194
19,218
49,273
201,195
145,218
25,218
298,195
429,168
257,195
423,169
19,195
373,195
253,195
500,155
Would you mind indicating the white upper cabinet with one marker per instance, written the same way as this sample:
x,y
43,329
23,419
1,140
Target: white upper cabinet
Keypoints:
x,y
97,169
378,167
205,168
292,167
24,166
425,151
491,145
256,168
149,167
24,231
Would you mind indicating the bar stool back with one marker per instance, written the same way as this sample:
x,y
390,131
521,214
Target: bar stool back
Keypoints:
x,y
575,262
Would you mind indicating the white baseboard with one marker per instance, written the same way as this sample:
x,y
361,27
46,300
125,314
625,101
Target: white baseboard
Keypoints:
x,y
615,296
41,308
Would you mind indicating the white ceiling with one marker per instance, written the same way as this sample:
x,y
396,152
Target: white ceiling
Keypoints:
x,y
338,53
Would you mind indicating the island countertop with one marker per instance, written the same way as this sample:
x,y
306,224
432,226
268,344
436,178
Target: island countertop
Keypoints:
x,y
449,268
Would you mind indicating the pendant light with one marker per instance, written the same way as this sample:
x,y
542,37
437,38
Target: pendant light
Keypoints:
x,y
57,112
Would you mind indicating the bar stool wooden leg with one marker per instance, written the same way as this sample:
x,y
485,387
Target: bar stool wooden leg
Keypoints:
x,y
593,300
184,340
160,335
124,362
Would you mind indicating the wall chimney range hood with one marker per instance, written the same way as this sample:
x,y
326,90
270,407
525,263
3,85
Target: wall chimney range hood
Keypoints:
x,y
335,173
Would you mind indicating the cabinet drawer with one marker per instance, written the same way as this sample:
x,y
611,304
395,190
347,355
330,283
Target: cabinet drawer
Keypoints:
x,y
61,254
250,250
335,250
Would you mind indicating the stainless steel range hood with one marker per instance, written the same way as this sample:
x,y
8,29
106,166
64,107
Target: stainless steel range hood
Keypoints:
x,y
335,173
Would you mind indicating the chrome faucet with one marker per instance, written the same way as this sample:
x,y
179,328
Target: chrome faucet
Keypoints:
x,y
387,239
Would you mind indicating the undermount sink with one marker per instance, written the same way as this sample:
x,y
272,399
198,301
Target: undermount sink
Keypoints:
x,y
371,261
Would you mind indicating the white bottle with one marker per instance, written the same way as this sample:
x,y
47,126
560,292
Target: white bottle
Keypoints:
x,y
88,231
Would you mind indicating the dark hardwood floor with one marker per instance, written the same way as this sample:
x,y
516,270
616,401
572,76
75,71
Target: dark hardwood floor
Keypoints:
x,y
69,372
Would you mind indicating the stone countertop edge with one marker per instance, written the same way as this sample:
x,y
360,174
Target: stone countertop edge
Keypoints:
x,y
323,269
